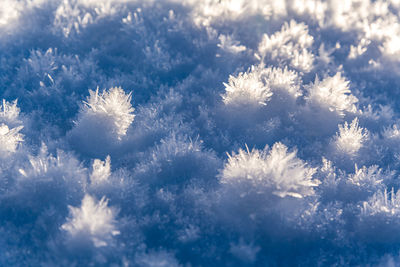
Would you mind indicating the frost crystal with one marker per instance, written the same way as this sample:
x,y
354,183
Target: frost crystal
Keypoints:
x,y
47,167
334,93
276,170
350,138
9,112
392,133
92,221
289,46
72,16
229,45
283,80
9,138
382,202
101,170
256,86
10,125
366,181
114,104
246,89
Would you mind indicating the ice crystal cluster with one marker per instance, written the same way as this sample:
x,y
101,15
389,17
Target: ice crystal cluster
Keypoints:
x,y
199,133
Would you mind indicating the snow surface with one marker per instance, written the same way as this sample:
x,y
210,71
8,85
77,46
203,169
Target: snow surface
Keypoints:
x,y
199,133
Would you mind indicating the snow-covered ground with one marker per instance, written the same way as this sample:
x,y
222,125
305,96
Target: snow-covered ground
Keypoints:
x,y
199,133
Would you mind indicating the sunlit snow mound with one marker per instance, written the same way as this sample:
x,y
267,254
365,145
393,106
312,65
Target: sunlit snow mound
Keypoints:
x,y
199,133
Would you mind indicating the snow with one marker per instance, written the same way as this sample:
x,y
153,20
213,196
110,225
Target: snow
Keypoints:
x,y
199,133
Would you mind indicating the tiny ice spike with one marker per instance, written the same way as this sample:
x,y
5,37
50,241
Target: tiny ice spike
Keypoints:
x,y
94,221
276,170
382,202
113,103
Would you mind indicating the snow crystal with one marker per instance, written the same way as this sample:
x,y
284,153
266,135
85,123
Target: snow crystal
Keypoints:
x,y
275,170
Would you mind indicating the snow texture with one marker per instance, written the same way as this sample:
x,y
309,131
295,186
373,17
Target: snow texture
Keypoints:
x,y
199,133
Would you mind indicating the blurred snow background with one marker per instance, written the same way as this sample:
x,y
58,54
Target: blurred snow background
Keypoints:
x,y
199,133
